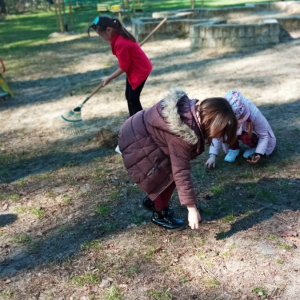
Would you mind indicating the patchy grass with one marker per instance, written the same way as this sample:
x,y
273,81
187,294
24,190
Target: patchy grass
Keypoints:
x,y
271,168
134,189
132,270
267,196
66,200
217,190
39,212
150,252
210,282
103,210
7,294
86,279
92,245
21,238
20,210
279,261
52,194
113,293
259,291
110,227
229,219
14,197
284,246
21,182
201,255
157,295
200,172
137,219
114,195
273,237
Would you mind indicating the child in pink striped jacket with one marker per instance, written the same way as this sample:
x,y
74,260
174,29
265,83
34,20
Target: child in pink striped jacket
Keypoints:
x,y
253,131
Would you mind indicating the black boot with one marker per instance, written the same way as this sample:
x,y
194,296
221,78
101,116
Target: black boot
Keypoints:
x,y
162,218
148,204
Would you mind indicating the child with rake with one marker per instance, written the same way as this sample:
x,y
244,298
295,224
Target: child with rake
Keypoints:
x,y
132,59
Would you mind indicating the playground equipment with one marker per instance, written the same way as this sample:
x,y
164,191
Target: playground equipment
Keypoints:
x,y
6,90
102,7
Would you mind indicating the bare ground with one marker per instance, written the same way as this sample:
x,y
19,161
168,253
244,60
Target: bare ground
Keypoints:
x,y
72,225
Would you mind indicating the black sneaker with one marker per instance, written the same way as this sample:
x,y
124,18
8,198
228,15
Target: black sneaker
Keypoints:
x,y
148,204
162,218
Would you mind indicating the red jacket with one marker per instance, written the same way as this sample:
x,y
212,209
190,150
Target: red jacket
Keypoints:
x,y
132,59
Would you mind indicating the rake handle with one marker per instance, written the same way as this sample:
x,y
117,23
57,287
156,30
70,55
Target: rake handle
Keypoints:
x,y
153,31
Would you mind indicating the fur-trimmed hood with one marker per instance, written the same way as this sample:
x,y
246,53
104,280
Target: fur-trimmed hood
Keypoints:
x,y
170,113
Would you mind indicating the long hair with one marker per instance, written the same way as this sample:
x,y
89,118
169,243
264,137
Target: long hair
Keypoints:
x,y
250,129
218,120
105,22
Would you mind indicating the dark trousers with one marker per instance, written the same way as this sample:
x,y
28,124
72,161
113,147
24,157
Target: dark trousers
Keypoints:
x,y
133,97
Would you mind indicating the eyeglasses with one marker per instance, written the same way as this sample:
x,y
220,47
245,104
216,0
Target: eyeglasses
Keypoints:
x,y
96,21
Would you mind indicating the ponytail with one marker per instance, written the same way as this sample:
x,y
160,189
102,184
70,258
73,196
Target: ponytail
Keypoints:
x,y
122,31
101,23
250,129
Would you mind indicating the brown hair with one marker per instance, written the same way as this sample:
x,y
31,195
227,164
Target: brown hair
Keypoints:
x,y
218,120
105,22
250,129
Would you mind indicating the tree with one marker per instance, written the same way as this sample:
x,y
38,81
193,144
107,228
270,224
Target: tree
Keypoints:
x,y
2,7
192,4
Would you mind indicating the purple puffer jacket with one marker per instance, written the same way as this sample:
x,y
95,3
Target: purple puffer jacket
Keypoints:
x,y
158,143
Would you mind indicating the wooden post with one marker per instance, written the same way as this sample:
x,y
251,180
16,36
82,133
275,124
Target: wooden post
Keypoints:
x,y
71,14
62,28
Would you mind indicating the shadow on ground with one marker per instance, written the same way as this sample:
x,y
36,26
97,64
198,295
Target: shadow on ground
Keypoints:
x,y
7,219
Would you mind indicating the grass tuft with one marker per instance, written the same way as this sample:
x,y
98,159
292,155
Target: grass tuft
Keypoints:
x,y
87,279
157,295
114,293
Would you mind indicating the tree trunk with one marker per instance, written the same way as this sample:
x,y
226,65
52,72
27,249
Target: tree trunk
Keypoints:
x,y
71,14
192,4
2,7
56,14
62,28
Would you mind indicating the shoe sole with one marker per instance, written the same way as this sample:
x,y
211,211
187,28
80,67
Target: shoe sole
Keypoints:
x,y
175,229
229,161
